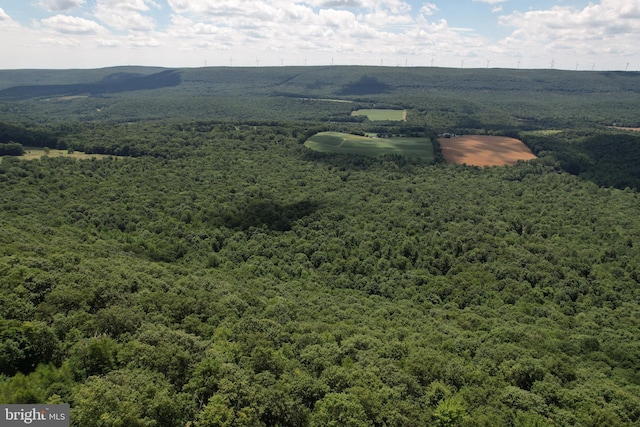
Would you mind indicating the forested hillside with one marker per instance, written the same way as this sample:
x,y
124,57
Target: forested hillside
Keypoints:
x,y
215,272
482,99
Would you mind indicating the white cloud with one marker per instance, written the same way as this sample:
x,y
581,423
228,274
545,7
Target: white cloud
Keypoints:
x,y
108,43
491,1
125,15
326,27
385,19
352,4
608,17
428,9
58,42
205,8
340,19
60,5
351,31
3,16
131,5
208,8
597,31
142,41
72,25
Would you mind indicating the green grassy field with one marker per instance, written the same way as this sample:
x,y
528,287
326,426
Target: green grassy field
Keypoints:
x,y
338,142
382,115
32,153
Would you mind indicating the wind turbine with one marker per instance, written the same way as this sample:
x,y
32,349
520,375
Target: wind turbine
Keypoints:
x,y
305,61
518,64
487,63
231,61
627,67
462,63
553,62
432,61
257,62
332,61
281,62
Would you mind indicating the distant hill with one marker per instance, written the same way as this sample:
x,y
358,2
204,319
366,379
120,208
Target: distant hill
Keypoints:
x,y
445,98
346,80
10,78
111,83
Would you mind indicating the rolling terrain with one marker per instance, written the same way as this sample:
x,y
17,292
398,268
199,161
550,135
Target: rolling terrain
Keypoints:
x,y
210,270
466,98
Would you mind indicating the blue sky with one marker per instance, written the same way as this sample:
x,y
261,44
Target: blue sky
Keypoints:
x,y
564,34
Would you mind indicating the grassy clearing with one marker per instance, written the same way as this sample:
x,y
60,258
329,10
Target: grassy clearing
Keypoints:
x,y
338,142
624,128
32,153
382,115
543,132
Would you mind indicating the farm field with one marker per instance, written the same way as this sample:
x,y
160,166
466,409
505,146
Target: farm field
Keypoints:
x,y
481,150
382,114
338,142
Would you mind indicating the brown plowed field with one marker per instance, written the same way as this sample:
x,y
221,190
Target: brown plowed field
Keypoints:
x,y
480,150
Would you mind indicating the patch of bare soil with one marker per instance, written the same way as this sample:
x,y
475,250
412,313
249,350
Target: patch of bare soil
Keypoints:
x,y
482,150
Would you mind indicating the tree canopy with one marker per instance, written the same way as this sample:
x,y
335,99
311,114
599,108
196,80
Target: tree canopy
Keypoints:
x,y
218,273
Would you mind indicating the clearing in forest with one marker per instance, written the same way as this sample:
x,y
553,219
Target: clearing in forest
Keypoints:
x,y
31,153
382,115
481,150
345,143
624,128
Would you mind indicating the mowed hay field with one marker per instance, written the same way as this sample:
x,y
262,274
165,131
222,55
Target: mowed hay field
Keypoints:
x,y
382,115
481,150
345,143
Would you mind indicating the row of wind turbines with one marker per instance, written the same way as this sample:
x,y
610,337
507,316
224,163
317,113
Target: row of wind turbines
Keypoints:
x,y
304,63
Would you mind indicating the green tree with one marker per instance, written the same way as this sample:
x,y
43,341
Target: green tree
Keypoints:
x,y
338,410
11,149
92,356
218,413
24,345
129,397
450,412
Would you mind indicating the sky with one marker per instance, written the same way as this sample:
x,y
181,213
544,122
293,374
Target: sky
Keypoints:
x,y
531,34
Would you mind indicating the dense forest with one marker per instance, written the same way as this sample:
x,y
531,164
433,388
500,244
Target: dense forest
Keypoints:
x,y
214,272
